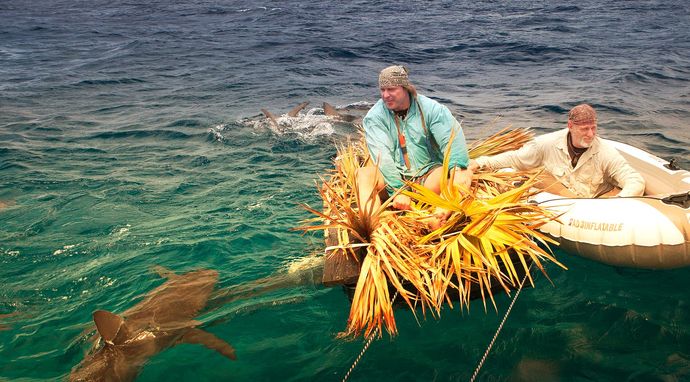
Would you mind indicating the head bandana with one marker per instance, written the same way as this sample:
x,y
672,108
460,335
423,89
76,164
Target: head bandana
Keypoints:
x,y
582,113
395,75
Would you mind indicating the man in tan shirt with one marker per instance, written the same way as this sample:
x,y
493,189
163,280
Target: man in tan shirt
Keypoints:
x,y
577,159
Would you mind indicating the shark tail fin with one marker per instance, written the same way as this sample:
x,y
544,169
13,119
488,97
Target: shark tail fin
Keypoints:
x,y
111,327
293,113
328,109
200,337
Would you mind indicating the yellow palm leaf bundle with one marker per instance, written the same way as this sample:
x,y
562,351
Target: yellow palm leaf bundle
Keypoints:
x,y
487,242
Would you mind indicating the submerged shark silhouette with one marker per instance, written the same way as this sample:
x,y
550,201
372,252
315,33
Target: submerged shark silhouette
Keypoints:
x,y
163,319
7,315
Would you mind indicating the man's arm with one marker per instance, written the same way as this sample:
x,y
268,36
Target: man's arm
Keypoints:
x,y
527,157
442,125
627,178
381,147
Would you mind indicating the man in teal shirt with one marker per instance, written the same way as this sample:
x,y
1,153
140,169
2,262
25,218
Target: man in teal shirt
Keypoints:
x,y
406,135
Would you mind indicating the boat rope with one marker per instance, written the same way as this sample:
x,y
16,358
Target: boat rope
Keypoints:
x,y
366,346
359,357
500,326
648,197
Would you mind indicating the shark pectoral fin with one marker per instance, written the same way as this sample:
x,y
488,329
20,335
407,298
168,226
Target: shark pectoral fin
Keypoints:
x,y
200,337
111,327
328,109
270,116
293,113
163,272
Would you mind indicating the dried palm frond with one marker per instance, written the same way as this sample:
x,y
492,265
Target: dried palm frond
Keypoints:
x,y
505,140
390,265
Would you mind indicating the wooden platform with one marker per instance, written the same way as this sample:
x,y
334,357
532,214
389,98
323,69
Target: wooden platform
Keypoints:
x,y
340,268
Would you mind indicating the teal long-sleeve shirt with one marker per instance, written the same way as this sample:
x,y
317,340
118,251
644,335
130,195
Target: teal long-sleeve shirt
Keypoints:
x,y
383,145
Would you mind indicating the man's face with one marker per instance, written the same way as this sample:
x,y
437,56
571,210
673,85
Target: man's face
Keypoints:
x,y
582,133
396,98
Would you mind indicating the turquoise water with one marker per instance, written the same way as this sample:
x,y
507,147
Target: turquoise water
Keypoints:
x,y
88,218
131,137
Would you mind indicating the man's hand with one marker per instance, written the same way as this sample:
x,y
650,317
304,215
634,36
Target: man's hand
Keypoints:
x,y
401,202
438,218
473,166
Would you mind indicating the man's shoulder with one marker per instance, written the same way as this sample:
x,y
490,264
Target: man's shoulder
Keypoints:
x,y
377,109
552,136
606,147
427,102
431,107
378,113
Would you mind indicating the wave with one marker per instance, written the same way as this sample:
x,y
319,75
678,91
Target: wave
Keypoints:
x,y
165,134
649,76
567,8
661,137
12,166
114,108
185,123
109,81
555,109
437,52
513,52
333,52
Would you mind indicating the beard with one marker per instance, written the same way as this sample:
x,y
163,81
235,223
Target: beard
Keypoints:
x,y
582,143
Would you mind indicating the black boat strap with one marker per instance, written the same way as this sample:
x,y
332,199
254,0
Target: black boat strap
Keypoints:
x,y
681,200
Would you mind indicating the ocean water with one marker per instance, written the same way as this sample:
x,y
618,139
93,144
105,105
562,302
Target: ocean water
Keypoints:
x,y
131,137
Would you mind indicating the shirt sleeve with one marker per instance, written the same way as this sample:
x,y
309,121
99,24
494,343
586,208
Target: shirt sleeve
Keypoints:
x,y
381,147
527,157
623,175
443,125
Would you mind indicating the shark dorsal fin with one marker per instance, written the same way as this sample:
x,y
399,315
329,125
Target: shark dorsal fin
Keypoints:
x,y
328,109
270,116
293,113
110,326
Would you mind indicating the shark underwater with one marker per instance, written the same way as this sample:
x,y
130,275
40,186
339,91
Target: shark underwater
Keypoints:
x,y
164,318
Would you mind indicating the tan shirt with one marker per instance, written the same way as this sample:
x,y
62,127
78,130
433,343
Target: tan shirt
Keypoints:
x,y
598,170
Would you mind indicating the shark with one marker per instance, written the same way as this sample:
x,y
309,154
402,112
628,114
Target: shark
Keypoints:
x,y
328,110
292,113
164,318
331,111
5,203
7,315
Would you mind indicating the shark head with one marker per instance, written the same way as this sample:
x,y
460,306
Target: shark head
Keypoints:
x,y
110,363
116,360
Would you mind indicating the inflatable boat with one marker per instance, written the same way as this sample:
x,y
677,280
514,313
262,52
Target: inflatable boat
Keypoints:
x,y
650,231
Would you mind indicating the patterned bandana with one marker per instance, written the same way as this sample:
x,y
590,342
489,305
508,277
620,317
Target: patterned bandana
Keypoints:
x,y
582,113
395,75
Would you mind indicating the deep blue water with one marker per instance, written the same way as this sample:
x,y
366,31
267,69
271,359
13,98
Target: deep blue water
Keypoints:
x,y
131,136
